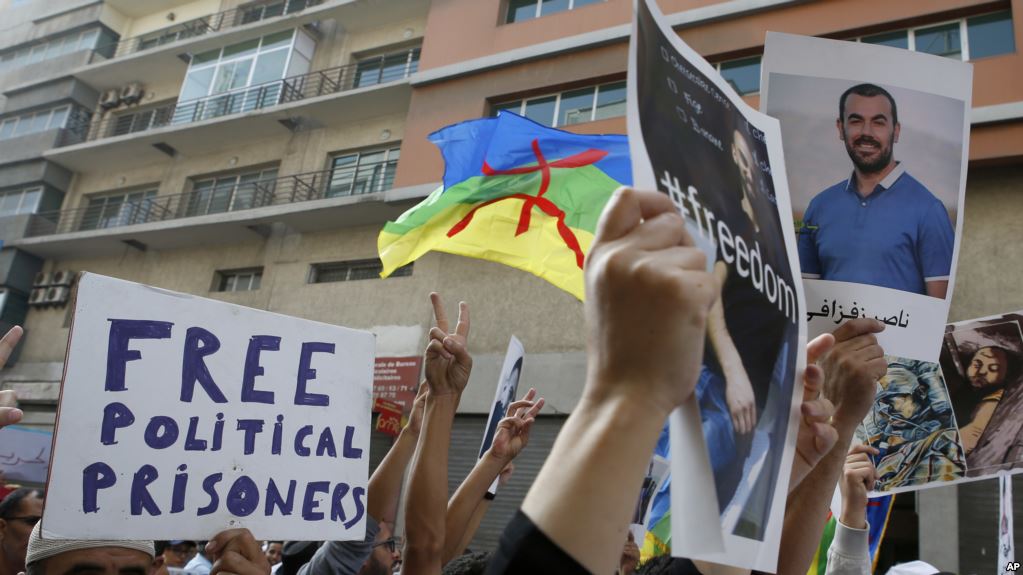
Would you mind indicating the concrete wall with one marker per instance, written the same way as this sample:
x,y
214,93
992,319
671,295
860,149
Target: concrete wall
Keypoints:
x,y
990,270
162,19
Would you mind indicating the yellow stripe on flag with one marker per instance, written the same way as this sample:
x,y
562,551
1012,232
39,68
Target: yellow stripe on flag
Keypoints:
x,y
491,236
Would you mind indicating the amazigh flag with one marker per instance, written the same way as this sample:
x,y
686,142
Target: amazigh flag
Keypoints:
x,y
514,192
879,509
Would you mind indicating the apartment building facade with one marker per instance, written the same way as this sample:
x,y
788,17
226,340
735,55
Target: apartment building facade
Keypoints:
x,y
251,151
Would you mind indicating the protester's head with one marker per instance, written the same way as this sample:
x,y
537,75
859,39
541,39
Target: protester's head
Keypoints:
x,y
868,123
295,554
60,556
272,550
20,511
385,553
743,159
178,553
468,564
989,367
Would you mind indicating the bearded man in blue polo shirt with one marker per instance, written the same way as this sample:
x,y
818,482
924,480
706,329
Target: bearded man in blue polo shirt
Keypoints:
x,y
881,226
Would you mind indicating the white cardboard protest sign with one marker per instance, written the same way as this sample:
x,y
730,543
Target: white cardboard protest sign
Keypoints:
x,y
25,453
181,416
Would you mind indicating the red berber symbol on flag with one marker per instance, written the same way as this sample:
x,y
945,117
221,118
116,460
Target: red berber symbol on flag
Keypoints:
x,y
548,207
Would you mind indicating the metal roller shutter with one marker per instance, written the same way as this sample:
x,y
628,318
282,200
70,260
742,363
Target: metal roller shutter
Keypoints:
x,y
978,525
466,436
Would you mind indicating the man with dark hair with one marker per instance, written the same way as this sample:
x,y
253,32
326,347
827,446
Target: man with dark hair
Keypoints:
x,y
19,512
468,563
880,226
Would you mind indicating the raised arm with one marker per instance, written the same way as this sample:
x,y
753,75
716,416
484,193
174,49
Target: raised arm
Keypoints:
x,y
9,412
385,484
448,365
510,439
851,370
647,300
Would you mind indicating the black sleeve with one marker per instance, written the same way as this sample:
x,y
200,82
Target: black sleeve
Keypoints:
x,y
525,549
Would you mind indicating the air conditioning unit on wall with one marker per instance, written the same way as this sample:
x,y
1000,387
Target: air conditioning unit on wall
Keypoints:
x,y
56,295
132,93
37,297
110,99
63,278
43,279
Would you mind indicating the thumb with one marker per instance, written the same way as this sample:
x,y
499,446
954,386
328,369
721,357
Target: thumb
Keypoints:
x,y
819,346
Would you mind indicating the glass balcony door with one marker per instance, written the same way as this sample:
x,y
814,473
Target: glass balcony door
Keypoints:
x,y
362,172
231,192
117,210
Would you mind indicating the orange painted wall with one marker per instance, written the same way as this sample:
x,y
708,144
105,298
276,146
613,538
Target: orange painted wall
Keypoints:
x,y
458,30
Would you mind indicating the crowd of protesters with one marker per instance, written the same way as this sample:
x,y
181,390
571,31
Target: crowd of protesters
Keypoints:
x,y
648,296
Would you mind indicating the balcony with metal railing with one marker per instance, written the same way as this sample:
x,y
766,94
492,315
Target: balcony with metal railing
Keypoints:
x,y
238,16
330,97
344,196
153,58
379,70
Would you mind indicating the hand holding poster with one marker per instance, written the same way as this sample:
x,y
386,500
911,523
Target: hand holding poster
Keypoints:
x,y
507,389
181,416
876,149
720,162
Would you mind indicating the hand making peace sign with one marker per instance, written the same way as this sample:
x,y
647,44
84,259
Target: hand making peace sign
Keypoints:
x,y
448,362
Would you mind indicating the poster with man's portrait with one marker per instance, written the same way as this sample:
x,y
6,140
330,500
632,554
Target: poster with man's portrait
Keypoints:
x,y
876,149
504,395
695,139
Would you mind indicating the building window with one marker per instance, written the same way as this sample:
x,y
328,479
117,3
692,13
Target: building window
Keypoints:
x,y
51,48
14,126
898,39
254,13
572,106
940,40
386,68
227,193
990,35
138,121
519,10
238,280
352,271
120,209
16,202
743,75
965,39
363,172
242,77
